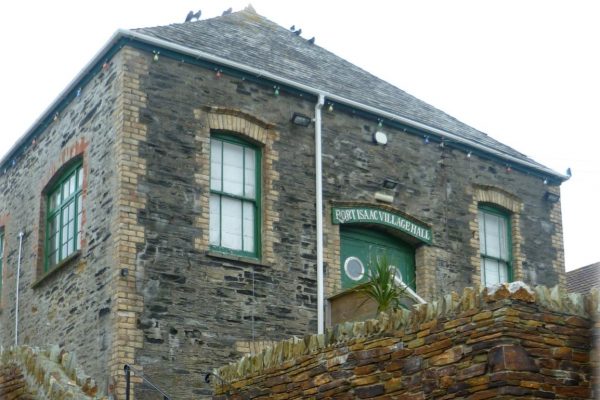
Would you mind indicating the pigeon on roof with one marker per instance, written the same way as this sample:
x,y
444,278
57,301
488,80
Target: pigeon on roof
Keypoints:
x,y
227,12
191,16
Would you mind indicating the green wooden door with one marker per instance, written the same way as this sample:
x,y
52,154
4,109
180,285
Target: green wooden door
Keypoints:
x,y
360,246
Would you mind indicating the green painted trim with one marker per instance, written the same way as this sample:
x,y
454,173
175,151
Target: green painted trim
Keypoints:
x,y
501,212
57,213
380,216
255,201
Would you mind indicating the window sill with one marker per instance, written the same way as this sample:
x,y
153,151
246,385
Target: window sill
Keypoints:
x,y
233,257
61,265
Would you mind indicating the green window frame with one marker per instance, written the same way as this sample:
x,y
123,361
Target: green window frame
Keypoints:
x,y
495,245
235,190
1,259
64,212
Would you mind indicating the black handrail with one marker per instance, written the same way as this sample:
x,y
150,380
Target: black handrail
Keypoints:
x,y
128,368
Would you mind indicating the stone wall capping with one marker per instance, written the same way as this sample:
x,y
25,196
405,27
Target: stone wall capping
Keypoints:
x,y
51,373
477,305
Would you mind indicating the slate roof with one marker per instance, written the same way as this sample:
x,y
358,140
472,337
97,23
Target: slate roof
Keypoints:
x,y
583,279
248,38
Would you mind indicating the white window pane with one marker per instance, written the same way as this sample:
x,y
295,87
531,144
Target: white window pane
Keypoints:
x,y
491,235
79,177
215,164
502,238
72,184
481,232
54,199
248,227
215,219
250,171
491,272
233,169
503,271
231,220
65,189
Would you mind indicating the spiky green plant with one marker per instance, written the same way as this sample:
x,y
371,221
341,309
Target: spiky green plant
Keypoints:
x,y
381,285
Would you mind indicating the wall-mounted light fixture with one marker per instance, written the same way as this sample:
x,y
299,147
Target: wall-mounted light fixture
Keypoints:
x,y
389,183
301,119
551,197
380,137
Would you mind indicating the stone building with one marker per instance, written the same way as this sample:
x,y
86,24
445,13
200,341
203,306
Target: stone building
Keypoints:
x,y
201,188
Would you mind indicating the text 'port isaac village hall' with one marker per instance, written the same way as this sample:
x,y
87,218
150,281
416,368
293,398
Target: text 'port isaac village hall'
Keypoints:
x,y
204,188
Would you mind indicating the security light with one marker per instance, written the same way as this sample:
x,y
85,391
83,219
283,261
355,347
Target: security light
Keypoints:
x,y
389,183
551,197
301,119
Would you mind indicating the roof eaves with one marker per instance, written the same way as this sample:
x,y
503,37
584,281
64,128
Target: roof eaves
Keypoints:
x,y
121,34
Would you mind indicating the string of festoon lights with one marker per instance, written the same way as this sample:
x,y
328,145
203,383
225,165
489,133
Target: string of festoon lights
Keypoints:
x,y
276,90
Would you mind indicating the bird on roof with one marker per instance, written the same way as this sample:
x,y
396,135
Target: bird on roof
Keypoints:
x,y
228,11
298,32
293,28
191,16
569,173
311,40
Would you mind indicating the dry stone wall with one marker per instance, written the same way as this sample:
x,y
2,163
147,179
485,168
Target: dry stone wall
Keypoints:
x,y
503,343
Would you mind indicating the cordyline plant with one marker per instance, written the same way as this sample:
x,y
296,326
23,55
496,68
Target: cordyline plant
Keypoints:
x,y
381,285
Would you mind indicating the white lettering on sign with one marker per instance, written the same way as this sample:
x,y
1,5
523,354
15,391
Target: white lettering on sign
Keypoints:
x,y
369,215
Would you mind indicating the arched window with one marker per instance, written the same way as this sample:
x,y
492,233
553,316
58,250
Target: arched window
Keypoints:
x,y
63,222
494,245
234,195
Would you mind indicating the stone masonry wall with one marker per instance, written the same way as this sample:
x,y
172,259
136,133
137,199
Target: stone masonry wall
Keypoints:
x,y
28,373
71,304
441,186
201,308
12,383
502,343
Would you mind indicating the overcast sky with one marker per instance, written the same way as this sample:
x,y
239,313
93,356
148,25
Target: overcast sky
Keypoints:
x,y
524,72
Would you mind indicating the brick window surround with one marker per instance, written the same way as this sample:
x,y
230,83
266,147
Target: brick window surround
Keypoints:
x,y
498,198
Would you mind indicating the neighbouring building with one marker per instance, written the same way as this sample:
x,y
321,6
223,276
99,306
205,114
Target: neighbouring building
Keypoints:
x,y
583,279
205,187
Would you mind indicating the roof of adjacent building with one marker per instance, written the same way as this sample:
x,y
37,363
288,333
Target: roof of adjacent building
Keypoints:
x,y
582,280
248,38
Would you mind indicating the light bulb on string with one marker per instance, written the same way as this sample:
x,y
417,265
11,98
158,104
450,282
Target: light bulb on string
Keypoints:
x,y
508,168
105,66
442,144
469,154
276,90
545,181
155,57
78,92
218,73
330,107
426,139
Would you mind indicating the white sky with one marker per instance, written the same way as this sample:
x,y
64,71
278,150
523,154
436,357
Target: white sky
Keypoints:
x,y
525,72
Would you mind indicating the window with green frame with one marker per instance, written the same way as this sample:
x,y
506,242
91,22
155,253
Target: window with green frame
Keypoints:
x,y
63,223
494,245
234,196
1,257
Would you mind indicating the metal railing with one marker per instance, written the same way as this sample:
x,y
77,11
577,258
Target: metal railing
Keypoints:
x,y
128,368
